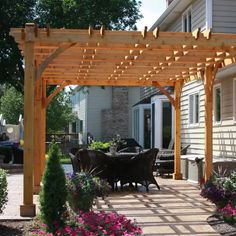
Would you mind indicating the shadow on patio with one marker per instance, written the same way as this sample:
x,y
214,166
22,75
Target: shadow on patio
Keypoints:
x,y
177,209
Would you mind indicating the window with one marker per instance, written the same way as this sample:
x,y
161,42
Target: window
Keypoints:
x,y
217,104
194,108
187,20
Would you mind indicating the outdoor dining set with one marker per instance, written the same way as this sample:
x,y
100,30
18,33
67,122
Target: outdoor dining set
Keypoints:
x,y
128,165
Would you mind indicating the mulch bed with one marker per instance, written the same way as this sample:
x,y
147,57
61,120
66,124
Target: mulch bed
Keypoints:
x,y
19,228
221,227
14,228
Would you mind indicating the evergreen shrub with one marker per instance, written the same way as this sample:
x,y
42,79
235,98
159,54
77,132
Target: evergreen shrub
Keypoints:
x,y
53,192
3,189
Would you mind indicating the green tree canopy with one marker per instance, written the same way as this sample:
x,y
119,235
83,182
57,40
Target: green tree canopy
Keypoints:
x,y
11,105
13,14
59,113
113,14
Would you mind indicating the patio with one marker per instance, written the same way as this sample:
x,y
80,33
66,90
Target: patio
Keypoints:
x,y
177,209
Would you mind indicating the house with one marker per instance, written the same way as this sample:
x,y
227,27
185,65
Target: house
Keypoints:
x,y
103,112
187,16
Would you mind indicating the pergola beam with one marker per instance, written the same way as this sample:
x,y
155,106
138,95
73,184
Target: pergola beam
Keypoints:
x,y
125,37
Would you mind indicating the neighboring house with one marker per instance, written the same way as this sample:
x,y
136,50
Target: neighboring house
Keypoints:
x,y
187,16
103,112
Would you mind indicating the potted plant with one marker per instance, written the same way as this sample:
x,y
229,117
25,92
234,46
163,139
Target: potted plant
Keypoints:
x,y
83,188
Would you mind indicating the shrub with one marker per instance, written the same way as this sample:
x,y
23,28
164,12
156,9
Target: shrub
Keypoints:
x,y
53,193
98,145
3,189
220,190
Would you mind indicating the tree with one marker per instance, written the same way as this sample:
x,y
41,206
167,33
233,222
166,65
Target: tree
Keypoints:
x,y
13,13
113,14
11,105
59,113
53,193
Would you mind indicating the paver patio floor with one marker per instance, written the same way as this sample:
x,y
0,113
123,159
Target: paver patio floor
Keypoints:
x,y
177,209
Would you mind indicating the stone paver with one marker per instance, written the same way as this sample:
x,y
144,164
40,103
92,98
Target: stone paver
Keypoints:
x,y
177,209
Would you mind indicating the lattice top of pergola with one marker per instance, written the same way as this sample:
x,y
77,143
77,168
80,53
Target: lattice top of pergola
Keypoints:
x,y
124,58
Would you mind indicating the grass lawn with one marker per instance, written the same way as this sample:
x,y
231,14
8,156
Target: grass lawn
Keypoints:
x,y
65,161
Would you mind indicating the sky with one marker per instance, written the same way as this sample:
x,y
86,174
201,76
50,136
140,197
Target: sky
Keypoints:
x,y
151,11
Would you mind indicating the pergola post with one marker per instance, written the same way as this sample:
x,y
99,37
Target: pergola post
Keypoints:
x,y
208,87
42,142
177,172
37,136
28,208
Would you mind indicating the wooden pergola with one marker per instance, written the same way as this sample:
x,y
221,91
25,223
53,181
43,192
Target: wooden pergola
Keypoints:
x,y
113,58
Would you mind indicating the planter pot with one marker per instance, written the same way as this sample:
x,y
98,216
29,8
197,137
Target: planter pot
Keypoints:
x,y
80,202
112,149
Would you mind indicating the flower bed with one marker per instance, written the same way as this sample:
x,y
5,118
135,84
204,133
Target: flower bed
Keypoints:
x,y
221,190
93,224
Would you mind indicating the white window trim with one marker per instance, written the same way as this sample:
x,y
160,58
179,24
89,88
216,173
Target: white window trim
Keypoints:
x,y
214,104
234,99
184,14
194,124
208,14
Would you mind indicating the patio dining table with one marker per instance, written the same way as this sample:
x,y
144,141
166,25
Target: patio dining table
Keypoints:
x,y
120,163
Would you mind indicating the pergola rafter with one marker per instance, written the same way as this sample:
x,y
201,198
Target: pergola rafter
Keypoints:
x,y
113,58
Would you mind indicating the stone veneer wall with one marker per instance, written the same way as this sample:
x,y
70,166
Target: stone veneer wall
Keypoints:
x,y
115,120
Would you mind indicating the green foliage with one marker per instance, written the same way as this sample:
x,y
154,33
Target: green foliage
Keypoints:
x,y
53,192
13,14
230,183
113,14
3,189
11,105
98,145
82,189
59,113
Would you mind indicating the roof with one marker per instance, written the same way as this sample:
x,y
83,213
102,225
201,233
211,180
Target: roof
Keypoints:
x,y
123,58
174,10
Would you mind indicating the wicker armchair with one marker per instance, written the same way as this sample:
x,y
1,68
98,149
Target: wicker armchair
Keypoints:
x,y
139,169
97,163
164,163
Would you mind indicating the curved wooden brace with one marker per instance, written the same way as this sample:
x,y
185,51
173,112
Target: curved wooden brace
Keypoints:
x,y
54,93
171,99
50,58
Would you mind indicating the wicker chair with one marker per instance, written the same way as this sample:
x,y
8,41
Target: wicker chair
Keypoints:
x,y
75,163
98,164
139,169
164,163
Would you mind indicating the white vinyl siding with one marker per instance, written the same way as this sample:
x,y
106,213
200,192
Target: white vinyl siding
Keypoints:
x,y
224,16
192,134
98,99
199,15
224,135
234,100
